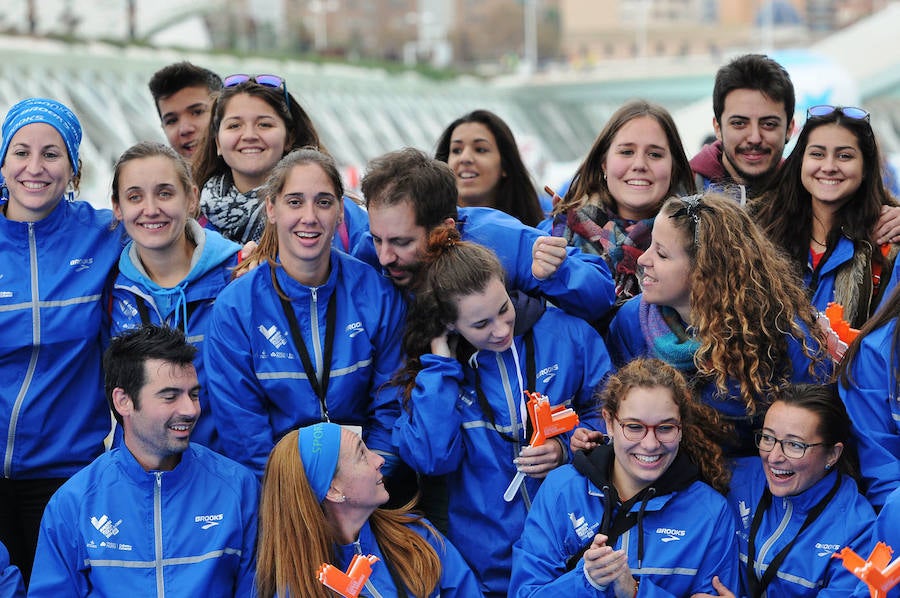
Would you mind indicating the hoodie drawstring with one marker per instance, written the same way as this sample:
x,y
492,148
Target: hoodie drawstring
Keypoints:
x,y
651,492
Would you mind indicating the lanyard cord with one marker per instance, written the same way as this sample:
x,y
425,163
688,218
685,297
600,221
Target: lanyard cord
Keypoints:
x,y
320,388
530,375
758,586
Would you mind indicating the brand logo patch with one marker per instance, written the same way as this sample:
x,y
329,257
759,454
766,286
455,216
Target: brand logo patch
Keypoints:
x,y
208,521
826,549
581,527
745,513
273,335
549,373
354,329
127,308
81,264
105,526
671,535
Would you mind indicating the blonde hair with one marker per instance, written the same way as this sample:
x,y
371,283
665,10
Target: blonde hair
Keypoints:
x,y
296,538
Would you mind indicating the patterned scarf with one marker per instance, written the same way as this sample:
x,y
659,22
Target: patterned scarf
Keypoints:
x,y
240,217
595,229
666,336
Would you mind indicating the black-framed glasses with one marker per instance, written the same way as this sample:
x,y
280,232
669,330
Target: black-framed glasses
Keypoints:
x,y
636,431
848,111
273,81
792,449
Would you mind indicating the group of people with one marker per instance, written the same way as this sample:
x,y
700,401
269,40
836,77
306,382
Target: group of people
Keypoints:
x,y
300,377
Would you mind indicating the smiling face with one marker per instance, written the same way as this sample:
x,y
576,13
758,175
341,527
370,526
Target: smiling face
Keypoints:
x,y
667,269
37,170
475,161
639,463
638,168
185,116
832,169
251,139
153,204
358,478
753,130
486,319
158,422
787,476
306,213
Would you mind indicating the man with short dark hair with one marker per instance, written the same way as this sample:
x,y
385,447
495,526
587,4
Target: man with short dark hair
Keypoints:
x,y
157,511
408,194
183,94
753,107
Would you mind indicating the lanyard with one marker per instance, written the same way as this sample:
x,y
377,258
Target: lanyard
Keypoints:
x,y
531,379
320,388
758,586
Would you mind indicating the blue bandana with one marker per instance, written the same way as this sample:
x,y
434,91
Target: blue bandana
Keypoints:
x,y
320,448
43,110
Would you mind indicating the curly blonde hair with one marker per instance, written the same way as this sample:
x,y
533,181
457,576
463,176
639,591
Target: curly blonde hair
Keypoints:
x,y
746,299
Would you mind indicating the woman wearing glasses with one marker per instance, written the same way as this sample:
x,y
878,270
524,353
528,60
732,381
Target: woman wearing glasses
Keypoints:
x,y
798,504
255,122
470,356
721,304
311,334
646,510
822,209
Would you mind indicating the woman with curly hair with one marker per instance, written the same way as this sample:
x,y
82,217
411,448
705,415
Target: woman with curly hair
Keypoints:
x,y
320,505
822,209
470,356
645,509
723,305
636,162
482,153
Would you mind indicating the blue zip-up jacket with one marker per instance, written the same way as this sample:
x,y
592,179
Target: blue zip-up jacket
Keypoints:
x,y
457,579
258,387
874,410
188,305
114,528
582,286
688,537
11,584
626,341
887,530
445,431
809,569
823,282
52,407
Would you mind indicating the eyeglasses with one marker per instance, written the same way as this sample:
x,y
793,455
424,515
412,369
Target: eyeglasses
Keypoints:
x,y
848,111
273,81
636,431
793,449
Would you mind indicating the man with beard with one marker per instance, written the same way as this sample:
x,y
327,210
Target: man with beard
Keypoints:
x,y
158,510
753,104
408,194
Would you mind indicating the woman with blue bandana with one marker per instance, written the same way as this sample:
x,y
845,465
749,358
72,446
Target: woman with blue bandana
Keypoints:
x,y
320,505
56,254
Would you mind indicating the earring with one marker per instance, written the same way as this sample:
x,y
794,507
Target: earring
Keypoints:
x,y
827,466
604,176
343,498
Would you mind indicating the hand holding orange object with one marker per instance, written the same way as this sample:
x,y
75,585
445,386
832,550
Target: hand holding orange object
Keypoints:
x,y
351,583
877,572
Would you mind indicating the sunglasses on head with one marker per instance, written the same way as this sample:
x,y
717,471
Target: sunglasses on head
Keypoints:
x,y
848,111
273,81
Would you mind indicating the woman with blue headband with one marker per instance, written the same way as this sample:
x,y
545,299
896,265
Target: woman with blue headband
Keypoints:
x,y
57,254
320,505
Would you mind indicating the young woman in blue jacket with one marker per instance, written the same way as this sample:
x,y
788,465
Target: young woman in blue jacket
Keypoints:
x,y
798,503
470,357
722,305
646,510
57,254
172,270
309,335
321,498
870,388
823,207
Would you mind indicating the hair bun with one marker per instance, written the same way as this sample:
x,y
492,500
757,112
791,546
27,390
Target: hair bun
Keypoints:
x,y
442,238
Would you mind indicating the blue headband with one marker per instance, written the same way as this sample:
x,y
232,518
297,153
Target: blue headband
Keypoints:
x,y
43,110
320,448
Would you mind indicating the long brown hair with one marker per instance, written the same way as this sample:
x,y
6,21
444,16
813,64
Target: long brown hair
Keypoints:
x,y
697,419
295,538
745,299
